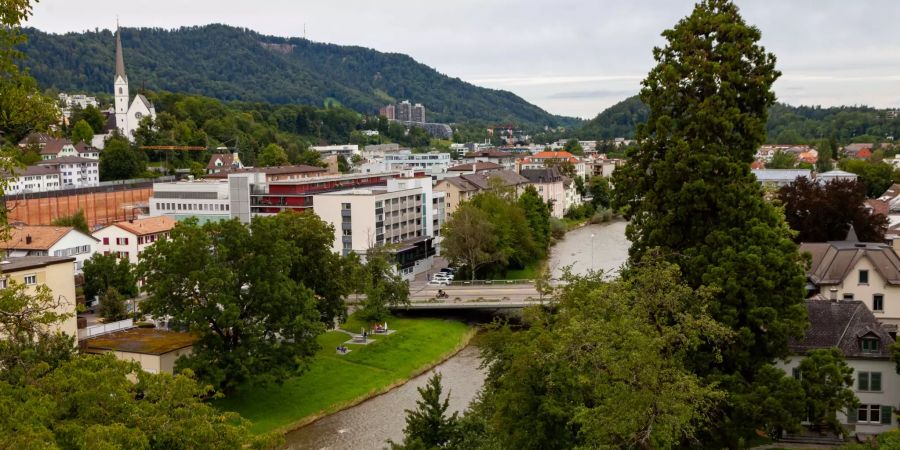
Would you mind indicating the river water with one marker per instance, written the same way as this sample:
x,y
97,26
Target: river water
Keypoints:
x,y
370,424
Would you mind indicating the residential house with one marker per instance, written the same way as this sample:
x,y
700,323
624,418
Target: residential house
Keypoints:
x,y
156,350
49,240
59,148
850,326
55,272
543,159
550,184
461,188
858,151
75,171
129,238
222,162
32,179
853,270
37,139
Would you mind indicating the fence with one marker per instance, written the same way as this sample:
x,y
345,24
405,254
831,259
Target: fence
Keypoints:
x,y
97,330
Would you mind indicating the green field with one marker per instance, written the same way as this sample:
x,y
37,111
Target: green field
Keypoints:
x,y
336,381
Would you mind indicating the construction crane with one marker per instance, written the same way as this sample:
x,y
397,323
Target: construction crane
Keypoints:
x,y
176,148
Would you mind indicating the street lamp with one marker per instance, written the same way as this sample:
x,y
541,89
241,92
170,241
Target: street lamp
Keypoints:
x,y
592,252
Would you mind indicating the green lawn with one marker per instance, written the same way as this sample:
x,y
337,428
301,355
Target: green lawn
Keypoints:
x,y
335,381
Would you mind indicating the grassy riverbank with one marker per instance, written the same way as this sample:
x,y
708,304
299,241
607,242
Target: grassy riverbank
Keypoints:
x,y
335,382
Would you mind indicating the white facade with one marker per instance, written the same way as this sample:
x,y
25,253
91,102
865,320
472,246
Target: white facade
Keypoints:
x,y
49,240
33,179
432,162
125,243
204,199
75,171
128,117
347,150
887,394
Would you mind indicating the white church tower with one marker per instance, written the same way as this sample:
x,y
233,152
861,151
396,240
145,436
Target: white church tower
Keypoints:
x,y
128,117
120,87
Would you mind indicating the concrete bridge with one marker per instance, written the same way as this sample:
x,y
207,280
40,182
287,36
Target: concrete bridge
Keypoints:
x,y
482,295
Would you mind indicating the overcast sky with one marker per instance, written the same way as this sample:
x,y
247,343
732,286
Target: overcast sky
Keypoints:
x,y
569,57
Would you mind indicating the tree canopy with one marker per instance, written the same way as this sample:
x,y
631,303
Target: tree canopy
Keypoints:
x,y
102,272
688,191
824,212
119,160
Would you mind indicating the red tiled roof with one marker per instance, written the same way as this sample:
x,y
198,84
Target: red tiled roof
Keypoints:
x,y
150,225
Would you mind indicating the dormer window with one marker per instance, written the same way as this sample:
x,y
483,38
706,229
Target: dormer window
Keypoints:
x,y
869,344
863,277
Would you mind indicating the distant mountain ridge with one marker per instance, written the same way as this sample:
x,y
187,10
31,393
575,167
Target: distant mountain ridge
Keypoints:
x,y
786,124
232,63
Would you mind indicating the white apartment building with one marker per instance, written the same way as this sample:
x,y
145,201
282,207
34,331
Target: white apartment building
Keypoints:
x,y
50,240
129,238
33,179
431,162
75,171
346,150
401,216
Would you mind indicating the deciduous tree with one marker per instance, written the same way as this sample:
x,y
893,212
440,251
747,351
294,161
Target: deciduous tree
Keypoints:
x,y
82,132
824,212
272,155
112,305
102,272
236,287
827,381
382,284
76,220
118,161
469,239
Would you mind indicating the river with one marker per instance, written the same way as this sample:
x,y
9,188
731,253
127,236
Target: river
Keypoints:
x,y
371,423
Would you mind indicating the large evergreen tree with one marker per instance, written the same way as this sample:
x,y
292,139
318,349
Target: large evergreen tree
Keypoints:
x,y
689,191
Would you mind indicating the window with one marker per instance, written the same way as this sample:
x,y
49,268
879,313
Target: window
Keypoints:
x,y
869,345
106,241
869,382
878,302
2,283
848,297
863,277
880,414
30,279
140,240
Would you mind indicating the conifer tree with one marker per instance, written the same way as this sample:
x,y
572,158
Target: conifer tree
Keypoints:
x,y
688,190
428,426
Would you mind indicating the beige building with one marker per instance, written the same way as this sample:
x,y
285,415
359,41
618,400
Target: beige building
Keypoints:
x,y
853,270
57,273
156,350
551,186
459,189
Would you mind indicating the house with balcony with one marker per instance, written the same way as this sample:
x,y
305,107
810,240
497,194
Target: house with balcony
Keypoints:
x,y
75,171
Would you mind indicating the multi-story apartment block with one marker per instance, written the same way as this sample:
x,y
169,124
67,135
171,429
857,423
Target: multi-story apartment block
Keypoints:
x,y
49,240
32,179
203,199
346,150
75,171
432,162
461,188
388,111
400,217
417,114
128,239
404,111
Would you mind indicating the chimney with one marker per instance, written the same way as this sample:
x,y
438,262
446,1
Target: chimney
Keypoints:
x,y
28,239
833,292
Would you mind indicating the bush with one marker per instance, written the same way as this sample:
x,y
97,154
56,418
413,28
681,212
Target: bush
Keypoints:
x,y
602,215
558,228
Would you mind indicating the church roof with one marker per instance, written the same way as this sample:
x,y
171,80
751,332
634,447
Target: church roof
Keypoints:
x,y
142,99
120,60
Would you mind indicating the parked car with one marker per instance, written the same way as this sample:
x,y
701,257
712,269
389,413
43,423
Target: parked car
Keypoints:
x,y
442,276
449,270
439,282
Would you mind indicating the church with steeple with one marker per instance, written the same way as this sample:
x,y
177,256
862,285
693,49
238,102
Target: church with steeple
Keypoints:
x,y
128,115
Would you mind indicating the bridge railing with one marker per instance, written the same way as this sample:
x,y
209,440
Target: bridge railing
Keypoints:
x,y
489,282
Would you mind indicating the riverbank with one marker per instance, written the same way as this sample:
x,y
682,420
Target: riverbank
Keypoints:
x,y
335,382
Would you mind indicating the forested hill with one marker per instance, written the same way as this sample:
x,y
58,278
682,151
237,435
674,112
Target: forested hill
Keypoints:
x,y
231,63
786,125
